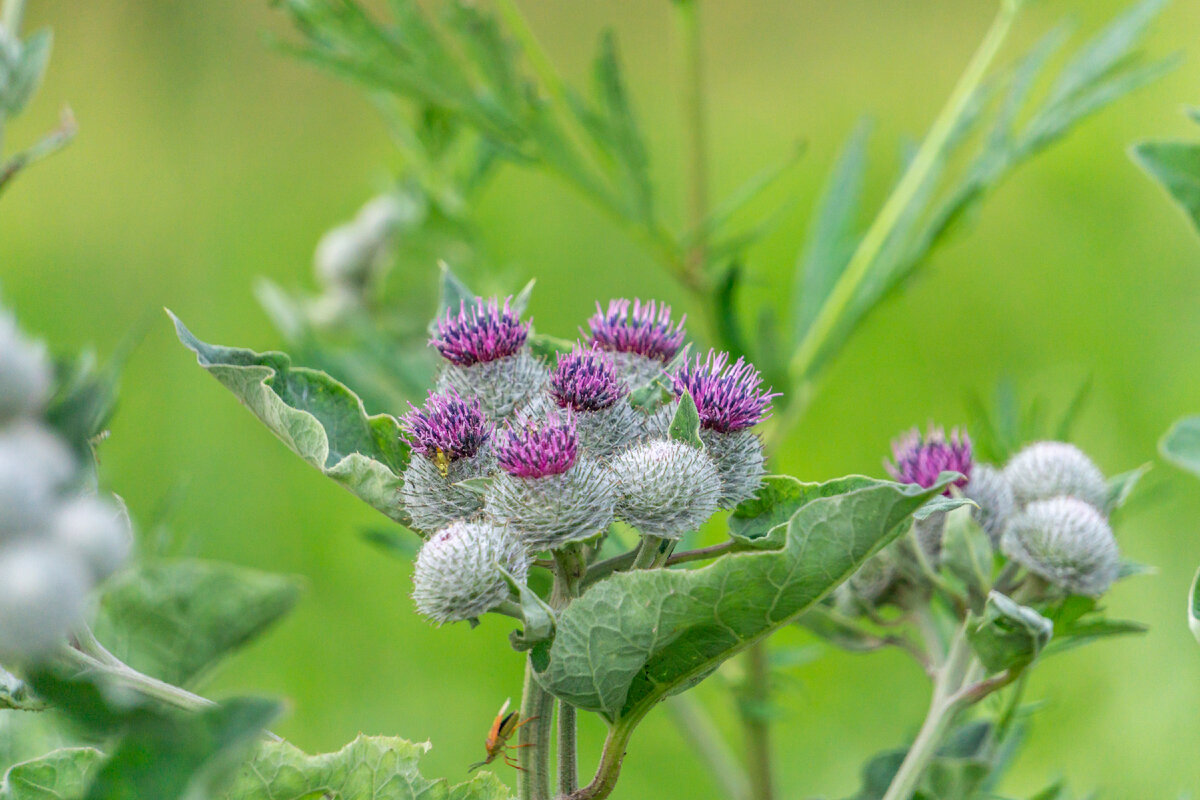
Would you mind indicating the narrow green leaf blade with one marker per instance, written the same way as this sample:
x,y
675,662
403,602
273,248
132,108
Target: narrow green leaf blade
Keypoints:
x,y
1176,167
1181,445
685,425
317,417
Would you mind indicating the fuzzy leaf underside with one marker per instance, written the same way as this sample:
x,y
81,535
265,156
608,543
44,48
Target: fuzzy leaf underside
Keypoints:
x,y
369,768
174,619
60,775
317,417
638,636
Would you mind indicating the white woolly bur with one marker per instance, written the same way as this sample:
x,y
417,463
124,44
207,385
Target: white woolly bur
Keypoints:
x,y
502,386
433,501
34,465
740,463
665,488
456,575
990,489
94,531
24,372
42,591
1050,469
1065,541
554,510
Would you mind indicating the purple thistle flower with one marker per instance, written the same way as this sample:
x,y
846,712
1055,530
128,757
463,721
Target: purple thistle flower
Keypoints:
x,y
586,380
644,329
920,459
485,331
728,397
536,448
447,424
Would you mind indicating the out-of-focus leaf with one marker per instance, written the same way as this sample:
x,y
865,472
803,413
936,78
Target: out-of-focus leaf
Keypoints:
x,y
398,544
453,294
636,637
839,632
15,694
374,768
1090,630
685,425
320,419
59,775
1181,445
956,771
1194,607
175,619
967,555
1176,167
1008,636
1120,487
23,81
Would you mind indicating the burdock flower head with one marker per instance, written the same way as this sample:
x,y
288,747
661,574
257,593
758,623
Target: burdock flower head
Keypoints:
x,y
730,400
586,383
450,439
641,337
1065,541
665,488
484,346
1052,469
544,489
457,575
920,459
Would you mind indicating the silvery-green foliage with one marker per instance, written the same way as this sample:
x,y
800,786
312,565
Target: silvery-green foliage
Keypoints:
x,y
1067,542
458,572
553,510
42,591
990,490
25,372
434,500
503,385
94,530
740,461
1051,469
665,488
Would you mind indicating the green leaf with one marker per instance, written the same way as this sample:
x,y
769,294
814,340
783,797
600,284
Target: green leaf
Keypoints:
x,y
838,631
761,522
321,420
1181,445
539,617
17,695
1090,630
651,397
957,770
182,756
175,619
547,347
401,545
1194,607
967,555
685,425
1176,166
636,637
1120,487
24,80
369,768
60,775
453,295
1008,635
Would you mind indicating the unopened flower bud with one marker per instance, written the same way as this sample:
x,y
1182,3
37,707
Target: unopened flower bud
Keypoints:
x,y
457,576
42,592
25,372
665,488
1067,542
989,489
1050,469
94,531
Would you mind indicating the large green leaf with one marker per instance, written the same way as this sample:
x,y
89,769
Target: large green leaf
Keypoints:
x,y
1181,445
369,768
320,419
173,619
638,636
59,775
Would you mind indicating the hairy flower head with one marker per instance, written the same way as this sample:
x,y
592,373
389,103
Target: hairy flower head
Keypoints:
x,y
447,425
1051,469
645,329
537,447
665,488
457,575
920,459
1066,541
586,380
990,490
728,396
480,332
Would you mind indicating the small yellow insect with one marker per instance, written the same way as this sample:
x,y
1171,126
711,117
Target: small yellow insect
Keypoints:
x,y
442,462
503,727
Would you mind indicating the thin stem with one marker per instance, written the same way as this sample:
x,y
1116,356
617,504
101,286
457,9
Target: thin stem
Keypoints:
x,y
569,569
756,693
609,769
702,733
841,298
695,133
647,552
139,682
568,769
702,553
537,706
602,569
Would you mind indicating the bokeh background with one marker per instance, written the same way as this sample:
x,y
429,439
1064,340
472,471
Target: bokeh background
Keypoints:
x,y
206,159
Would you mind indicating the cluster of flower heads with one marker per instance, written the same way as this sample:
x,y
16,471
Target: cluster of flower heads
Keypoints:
x,y
561,450
56,541
1046,510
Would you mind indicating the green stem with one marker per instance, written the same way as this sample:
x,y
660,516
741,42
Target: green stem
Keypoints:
x,y
139,682
704,736
695,133
647,553
609,769
841,298
537,706
756,694
568,768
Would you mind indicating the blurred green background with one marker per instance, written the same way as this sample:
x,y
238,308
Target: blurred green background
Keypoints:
x,y
205,159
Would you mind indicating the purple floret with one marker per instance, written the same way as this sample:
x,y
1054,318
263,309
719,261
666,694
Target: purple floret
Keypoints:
x,y
481,332
644,329
536,448
920,459
729,397
586,380
447,424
